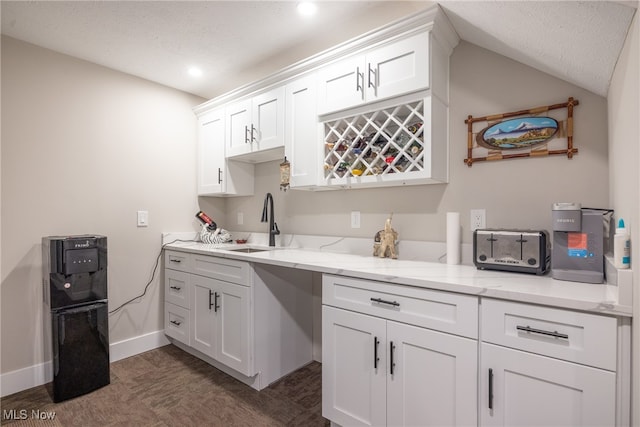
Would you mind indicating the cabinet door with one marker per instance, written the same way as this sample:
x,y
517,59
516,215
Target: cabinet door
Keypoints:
x,y
216,175
434,380
341,85
353,378
267,119
238,129
176,322
211,160
176,288
533,390
303,133
203,315
232,329
398,68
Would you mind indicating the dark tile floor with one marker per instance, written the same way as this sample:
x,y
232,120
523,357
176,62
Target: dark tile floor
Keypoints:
x,y
169,387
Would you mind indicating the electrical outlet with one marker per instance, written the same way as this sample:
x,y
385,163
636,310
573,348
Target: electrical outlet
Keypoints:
x,y
355,219
478,219
240,218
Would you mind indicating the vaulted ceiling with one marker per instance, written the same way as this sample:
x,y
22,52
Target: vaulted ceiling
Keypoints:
x,y
577,41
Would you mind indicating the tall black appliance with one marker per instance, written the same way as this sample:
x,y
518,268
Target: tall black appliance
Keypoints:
x,y
75,296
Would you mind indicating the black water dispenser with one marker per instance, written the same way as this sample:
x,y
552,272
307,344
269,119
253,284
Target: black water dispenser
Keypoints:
x,y
75,296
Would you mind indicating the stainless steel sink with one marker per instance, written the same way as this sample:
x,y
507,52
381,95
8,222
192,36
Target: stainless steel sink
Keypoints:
x,y
248,250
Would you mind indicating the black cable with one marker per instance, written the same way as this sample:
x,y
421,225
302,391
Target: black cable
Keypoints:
x,y
153,274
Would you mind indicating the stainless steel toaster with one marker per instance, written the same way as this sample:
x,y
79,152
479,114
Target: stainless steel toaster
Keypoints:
x,y
524,251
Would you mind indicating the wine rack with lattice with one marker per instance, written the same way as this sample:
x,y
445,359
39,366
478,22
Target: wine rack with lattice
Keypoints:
x,y
382,142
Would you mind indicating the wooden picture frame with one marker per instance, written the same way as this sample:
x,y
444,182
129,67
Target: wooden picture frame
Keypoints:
x,y
519,134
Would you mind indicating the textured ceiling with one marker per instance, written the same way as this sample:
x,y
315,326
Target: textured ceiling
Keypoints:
x,y
577,41
157,40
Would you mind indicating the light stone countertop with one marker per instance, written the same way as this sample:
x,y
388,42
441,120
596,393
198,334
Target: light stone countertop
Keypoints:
x,y
464,279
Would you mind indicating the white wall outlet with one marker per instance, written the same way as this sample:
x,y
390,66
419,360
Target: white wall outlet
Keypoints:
x,y
240,218
355,219
143,218
478,219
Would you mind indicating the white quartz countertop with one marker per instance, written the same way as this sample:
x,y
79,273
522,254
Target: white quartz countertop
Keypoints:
x,y
462,279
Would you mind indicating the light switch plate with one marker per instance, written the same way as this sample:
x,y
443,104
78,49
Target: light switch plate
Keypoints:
x,y
143,218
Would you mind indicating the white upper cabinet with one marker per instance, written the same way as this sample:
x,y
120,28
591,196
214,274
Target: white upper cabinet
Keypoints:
x,y
211,160
393,69
218,176
398,68
341,85
401,69
302,132
255,127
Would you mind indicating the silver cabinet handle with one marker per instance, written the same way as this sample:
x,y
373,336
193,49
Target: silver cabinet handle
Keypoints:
x,y
359,75
554,334
175,322
175,288
373,82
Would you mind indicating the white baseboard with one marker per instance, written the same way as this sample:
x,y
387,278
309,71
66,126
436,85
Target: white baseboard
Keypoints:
x,y
25,378
136,345
33,376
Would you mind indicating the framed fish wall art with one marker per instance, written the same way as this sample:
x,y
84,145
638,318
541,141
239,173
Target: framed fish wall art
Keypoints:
x,y
536,132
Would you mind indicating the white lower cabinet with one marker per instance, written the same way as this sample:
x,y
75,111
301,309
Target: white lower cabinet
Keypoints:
x,y
378,372
525,389
220,322
176,322
546,367
353,368
433,379
251,321
177,288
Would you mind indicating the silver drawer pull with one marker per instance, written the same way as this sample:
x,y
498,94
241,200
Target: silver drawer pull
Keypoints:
x,y
175,288
554,334
176,260
381,301
175,322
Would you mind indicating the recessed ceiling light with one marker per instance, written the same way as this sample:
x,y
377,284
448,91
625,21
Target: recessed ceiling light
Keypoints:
x,y
195,72
307,8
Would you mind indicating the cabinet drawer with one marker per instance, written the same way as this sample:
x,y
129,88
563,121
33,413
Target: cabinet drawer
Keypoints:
x,y
177,288
177,260
176,322
228,270
584,338
442,311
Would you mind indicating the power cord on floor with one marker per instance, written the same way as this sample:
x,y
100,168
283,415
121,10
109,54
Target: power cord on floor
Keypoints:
x,y
153,274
